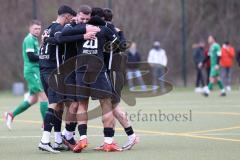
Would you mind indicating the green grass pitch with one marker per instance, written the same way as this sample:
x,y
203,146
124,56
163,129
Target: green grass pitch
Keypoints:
x,y
209,131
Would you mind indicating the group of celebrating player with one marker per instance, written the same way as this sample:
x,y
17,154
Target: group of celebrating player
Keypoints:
x,y
74,63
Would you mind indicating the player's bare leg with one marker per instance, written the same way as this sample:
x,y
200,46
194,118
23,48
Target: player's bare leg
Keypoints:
x,y
108,124
120,115
82,118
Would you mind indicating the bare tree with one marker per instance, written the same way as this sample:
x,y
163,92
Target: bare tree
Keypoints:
x,y
143,21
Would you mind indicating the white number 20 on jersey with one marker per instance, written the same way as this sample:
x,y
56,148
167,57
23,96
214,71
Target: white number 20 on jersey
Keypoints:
x,y
91,44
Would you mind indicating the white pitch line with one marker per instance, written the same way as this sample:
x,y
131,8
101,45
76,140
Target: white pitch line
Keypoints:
x,y
141,135
218,134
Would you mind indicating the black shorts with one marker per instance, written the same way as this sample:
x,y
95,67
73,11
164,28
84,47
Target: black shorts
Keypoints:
x,y
70,91
53,95
97,86
117,81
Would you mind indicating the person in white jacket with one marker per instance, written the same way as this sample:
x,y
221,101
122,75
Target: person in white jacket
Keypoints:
x,y
157,59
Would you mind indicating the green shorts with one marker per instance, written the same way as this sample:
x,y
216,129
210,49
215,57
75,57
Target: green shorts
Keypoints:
x,y
33,82
214,72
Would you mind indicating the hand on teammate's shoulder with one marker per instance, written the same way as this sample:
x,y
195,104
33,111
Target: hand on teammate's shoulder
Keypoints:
x,y
90,36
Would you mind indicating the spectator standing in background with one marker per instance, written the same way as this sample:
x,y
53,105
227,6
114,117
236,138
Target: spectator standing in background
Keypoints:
x,y
157,58
198,58
226,63
133,71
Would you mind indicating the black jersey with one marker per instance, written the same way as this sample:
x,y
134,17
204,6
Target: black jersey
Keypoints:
x,y
51,55
90,47
70,48
68,38
112,27
97,46
107,56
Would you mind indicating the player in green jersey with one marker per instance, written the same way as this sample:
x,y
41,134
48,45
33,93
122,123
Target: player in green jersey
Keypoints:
x,y
214,55
30,49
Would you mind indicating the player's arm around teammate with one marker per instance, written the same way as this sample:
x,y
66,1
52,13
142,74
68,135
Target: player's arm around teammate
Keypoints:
x,y
77,33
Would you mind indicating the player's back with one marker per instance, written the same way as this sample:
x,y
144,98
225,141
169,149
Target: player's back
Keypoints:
x,y
105,37
96,47
118,49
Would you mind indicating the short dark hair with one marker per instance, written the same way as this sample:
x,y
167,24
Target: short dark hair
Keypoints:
x,y
85,9
108,14
64,9
35,22
97,11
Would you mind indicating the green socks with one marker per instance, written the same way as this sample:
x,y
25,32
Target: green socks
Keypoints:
x,y
25,105
210,86
21,108
43,109
220,84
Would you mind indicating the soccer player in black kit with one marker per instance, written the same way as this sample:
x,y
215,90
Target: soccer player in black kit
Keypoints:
x,y
119,59
51,57
115,64
99,89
